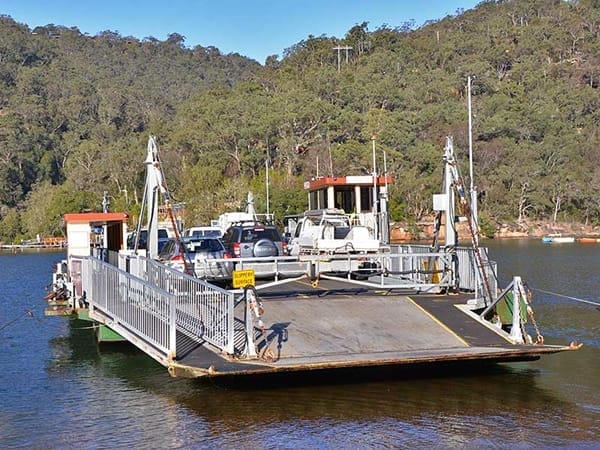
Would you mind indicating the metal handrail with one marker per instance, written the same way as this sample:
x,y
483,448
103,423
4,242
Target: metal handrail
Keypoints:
x,y
152,303
130,306
205,312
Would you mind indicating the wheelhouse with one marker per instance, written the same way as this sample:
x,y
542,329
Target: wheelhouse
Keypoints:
x,y
353,194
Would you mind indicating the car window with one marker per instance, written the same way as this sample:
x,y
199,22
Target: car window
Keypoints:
x,y
256,234
162,233
208,244
206,233
167,250
203,245
299,228
270,234
248,236
216,245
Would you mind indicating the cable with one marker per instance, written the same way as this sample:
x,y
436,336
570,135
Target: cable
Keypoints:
x,y
568,296
28,312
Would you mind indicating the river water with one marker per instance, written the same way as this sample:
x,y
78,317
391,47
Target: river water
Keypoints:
x,y
59,390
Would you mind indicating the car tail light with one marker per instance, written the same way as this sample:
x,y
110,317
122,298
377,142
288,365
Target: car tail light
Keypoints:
x,y
284,246
236,249
227,255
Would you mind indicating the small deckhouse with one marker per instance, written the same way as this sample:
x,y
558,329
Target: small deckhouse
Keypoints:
x,y
353,194
80,227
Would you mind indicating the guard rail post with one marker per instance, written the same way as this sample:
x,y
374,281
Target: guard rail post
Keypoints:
x,y
173,327
515,331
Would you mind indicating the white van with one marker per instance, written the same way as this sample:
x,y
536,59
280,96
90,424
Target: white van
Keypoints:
x,y
203,232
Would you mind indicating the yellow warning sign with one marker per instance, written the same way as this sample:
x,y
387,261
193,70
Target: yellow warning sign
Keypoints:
x,y
243,278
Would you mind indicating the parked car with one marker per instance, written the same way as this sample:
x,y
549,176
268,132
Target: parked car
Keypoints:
x,y
163,237
200,257
254,240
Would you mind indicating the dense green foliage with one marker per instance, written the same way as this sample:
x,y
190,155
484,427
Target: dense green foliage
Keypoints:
x,y
76,112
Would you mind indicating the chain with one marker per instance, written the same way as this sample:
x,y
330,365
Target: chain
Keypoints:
x,y
527,296
28,312
257,309
539,339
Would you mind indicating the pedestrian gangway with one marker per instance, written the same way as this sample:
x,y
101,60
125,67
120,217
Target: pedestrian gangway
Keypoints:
x,y
156,307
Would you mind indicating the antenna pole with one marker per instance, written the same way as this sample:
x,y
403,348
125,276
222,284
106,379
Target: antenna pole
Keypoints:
x,y
384,225
473,191
374,177
267,183
339,48
470,133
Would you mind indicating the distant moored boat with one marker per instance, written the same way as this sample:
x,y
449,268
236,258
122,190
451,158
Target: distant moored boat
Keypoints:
x,y
557,238
589,240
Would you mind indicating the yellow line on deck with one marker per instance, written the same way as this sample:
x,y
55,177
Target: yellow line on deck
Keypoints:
x,y
435,319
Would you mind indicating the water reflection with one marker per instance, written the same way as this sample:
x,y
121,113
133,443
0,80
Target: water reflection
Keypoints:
x,y
405,399
436,408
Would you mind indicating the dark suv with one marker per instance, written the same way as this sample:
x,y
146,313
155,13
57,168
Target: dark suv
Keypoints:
x,y
254,241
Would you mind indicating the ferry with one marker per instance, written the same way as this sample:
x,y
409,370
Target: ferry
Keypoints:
x,y
402,306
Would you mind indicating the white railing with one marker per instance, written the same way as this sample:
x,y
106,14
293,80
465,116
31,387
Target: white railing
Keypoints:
x,y
271,267
154,302
139,311
403,266
205,312
407,266
478,275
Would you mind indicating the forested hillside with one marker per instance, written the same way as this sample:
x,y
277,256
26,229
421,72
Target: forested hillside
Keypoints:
x,y
76,112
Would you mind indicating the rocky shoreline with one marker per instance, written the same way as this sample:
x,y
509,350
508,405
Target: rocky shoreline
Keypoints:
x,y
402,232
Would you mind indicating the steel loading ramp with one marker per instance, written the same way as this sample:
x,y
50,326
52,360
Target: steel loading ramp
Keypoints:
x,y
336,325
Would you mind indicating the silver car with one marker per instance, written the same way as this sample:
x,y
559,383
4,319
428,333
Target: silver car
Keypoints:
x,y
204,257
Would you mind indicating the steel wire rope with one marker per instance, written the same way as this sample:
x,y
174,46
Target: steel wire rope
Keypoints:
x,y
27,312
590,302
